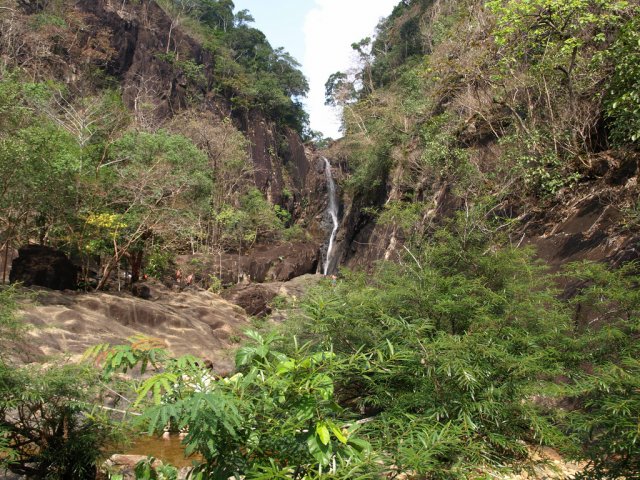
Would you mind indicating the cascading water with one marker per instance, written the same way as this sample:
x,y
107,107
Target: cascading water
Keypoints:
x,y
333,213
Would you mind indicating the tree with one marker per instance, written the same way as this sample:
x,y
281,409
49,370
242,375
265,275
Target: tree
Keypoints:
x,y
180,9
339,90
608,390
460,335
151,184
243,18
39,162
231,169
623,99
218,14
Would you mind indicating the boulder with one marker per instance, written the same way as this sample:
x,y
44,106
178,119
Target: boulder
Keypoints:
x,y
193,322
141,290
45,267
254,298
125,466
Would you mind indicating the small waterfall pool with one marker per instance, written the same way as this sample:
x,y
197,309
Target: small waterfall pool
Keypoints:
x,y
333,213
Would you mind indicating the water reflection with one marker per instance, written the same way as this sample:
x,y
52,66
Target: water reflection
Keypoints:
x,y
169,450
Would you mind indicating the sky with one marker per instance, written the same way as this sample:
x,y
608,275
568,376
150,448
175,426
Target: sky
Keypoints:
x,y
319,34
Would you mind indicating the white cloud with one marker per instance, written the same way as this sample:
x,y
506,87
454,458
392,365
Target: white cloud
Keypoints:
x,y
330,29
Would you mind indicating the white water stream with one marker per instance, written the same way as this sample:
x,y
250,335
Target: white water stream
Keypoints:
x,y
333,212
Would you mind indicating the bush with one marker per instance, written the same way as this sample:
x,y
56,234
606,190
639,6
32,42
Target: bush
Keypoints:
x,y
159,263
276,418
462,338
607,386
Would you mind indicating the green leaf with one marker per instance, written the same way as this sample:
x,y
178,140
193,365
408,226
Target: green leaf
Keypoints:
x,y
323,433
359,445
338,433
321,453
244,356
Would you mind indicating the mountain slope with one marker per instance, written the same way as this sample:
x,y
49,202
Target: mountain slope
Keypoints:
x,y
521,110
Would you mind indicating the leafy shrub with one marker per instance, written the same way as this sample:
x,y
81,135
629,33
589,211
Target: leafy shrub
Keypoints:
x,y
623,100
607,386
159,263
462,337
215,284
276,418
295,233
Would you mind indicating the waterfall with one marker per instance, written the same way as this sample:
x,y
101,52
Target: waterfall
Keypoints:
x,y
333,212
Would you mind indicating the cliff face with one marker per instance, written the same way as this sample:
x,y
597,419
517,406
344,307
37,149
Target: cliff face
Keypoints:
x,y
161,72
137,35
592,221
459,115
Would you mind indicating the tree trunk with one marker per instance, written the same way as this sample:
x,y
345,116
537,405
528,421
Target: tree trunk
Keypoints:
x,y
6,260
107,271
135,260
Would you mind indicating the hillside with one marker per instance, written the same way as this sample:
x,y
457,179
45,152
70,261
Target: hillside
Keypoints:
x,y
161,128
479,316
526,113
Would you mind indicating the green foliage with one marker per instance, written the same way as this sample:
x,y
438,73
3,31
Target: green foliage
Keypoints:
x,y
552,20
247,69
371,165
623,99
44,19
10,325
443,155
530,159
339,90
141,351
215,284
469,348
405,215
191,70
255,219
152,183
146,470
38,157
460,338
278,414
159,263
48,421
608,387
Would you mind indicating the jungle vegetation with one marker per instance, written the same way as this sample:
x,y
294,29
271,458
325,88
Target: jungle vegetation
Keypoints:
x,y
457,360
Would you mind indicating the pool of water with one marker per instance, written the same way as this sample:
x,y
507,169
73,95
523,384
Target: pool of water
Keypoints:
x,y
169,450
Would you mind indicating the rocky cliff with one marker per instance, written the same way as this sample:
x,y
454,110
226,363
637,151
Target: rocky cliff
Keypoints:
x,y
458,112
161,70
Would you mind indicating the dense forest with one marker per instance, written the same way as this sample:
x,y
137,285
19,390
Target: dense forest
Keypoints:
x,y
487,309
114,176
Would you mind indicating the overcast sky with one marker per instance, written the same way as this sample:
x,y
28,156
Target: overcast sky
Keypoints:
x,y
319,34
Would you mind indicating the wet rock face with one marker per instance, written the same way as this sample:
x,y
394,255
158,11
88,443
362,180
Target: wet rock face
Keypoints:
x,y
45,267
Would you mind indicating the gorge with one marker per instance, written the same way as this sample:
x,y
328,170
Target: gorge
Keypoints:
x,y
168,221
